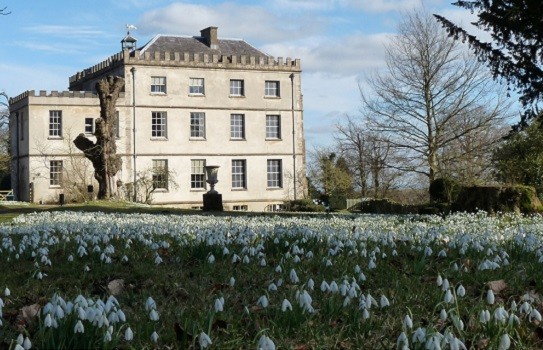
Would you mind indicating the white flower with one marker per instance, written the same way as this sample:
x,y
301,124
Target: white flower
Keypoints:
x,y
232,281
265,343
445,284
402,340
484,316
263,301
294,277
448,298
154,337
27,344
286,305
211,259
18,347
324,286
384,301
48,321
272,287
79,327
490,297
311,284
153,315
535,314
219,305
150,304
128,334
505,342
407,322
439,280
204,340
7,292
443,315
278,269
461,291
334,287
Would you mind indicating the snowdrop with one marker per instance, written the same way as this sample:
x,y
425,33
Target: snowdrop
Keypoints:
x,y
461,291
204,340
153,315
490,297
286,305
443,315
7,292
79,328
154,337
448,298
505,342
407,322
263,301
384,301
128,334
219,305
265,343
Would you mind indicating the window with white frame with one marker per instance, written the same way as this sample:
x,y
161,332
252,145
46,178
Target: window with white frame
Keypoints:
x,y
55,172
197,124
242,207
196,86
237,87
271,88
237,126
158,85
273,127
197,174
275,175
89,126
160,174
158,124
239,171
55,123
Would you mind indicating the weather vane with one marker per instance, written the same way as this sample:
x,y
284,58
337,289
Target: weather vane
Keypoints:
x,y
129,27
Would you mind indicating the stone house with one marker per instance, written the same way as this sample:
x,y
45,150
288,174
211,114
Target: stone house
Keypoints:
x,y
187,102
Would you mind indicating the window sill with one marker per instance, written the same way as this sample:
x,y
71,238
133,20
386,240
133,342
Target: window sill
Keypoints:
x,y
158,94
197,190
273,139
273,188
159,139
55,187
55,138
236,96
238,189
197,139
238,139
273,97
197,95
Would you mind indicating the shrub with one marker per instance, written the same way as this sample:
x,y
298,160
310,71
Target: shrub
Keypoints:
x,y
494,199
385,206
444,190
304,205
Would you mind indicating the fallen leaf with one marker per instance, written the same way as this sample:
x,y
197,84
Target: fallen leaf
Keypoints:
x,y
181,334
497,286
30,311
483,344
116,287
219,324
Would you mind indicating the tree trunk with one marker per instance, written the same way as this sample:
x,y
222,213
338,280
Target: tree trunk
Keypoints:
x,y
103,152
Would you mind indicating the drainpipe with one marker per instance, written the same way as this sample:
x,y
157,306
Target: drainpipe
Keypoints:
x,y
17,197
133,70
293,133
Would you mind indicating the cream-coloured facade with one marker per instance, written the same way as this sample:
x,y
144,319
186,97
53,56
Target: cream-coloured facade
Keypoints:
x,y
187,102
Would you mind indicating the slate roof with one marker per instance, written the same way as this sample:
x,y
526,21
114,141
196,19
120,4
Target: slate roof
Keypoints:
x,y
195,44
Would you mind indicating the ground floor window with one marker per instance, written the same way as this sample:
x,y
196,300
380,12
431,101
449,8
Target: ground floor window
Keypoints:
x,y
160,174
55,172
197,174
239,170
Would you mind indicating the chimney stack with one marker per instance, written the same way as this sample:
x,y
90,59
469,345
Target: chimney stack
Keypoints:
x,y
210,37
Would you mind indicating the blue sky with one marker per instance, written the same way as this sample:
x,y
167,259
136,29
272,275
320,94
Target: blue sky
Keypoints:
x,y
338,41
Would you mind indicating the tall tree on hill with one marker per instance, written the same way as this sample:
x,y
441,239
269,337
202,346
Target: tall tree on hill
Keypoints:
x,y
103,152
431,96
515,53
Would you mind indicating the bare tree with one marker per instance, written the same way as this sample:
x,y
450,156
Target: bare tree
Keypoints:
x,y
103,152
4,134
431,97
368,155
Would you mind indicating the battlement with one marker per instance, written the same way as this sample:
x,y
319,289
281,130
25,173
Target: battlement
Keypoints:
x,y
54,93
191,60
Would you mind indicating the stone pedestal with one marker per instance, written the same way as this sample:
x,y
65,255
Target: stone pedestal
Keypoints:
x,y
212,202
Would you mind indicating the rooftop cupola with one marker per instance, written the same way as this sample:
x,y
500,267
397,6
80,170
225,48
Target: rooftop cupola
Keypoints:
x,y
210,37
129,42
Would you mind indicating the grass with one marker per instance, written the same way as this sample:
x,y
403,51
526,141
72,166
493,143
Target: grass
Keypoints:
x,y
198,261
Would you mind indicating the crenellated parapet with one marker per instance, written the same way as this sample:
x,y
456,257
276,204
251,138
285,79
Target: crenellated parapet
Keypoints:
x,y
188,60
44,93
178,59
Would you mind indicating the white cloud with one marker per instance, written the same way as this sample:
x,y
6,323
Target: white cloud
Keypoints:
x,y
384,5
341,56
65,31
254,23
